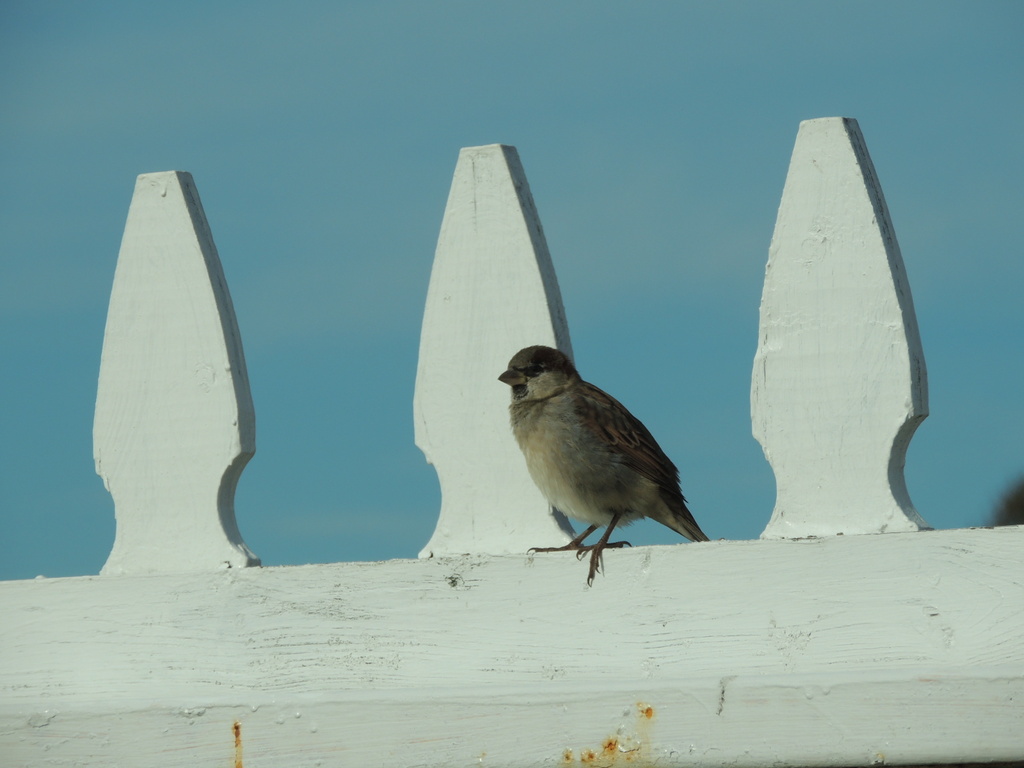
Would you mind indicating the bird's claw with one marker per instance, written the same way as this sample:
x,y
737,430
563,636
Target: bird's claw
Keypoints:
x,y
567,547
581,551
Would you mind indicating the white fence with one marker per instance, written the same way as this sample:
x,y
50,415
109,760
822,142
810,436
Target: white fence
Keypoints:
x,y
806,647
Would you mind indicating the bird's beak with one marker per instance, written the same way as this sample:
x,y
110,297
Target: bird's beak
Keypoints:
x,y
512,378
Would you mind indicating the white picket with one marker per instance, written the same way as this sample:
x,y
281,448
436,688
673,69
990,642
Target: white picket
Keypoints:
x,y
492,292
839,382
174,423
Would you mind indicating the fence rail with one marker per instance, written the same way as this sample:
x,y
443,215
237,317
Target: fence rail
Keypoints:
x,y
804,648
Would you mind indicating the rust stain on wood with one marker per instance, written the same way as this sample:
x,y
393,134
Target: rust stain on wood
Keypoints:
x,y
623,747
237,729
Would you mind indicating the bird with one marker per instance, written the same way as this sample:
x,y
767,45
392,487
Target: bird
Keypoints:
x,y
591,458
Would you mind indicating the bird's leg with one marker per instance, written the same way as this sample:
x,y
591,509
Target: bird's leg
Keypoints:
x,y
574,544
599,547
595,549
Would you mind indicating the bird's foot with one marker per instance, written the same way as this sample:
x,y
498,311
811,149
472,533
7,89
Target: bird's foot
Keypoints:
x,y
579,549
598,546
596,551
572,545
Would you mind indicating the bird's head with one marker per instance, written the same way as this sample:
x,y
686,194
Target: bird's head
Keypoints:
x,y
537,373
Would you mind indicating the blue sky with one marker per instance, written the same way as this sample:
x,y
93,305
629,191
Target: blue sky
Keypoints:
x,y
656,137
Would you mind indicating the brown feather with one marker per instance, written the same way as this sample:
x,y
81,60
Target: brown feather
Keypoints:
x,y
624,434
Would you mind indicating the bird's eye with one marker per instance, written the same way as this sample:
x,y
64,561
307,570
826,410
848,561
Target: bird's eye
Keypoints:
x,y
532,370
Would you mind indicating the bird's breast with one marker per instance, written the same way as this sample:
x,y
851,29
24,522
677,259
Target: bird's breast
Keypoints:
x,y
569,466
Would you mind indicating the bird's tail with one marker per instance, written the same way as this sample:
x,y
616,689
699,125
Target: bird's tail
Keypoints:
x,y
681,520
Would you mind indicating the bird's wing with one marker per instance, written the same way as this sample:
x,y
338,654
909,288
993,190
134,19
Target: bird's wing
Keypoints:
x,y
624,434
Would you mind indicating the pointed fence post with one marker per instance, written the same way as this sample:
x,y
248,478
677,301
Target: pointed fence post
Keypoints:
x,y
492,292
839,382
174,423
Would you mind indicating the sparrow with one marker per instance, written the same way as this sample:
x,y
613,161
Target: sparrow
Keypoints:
x,y
591,458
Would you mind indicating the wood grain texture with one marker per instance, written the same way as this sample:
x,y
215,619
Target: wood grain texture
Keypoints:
x,y
822,652
492,292
174,424
839,382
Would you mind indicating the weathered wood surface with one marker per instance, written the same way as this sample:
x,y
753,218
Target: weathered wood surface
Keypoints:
x,y
174,425
492,292
852,650
839,382
897,649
